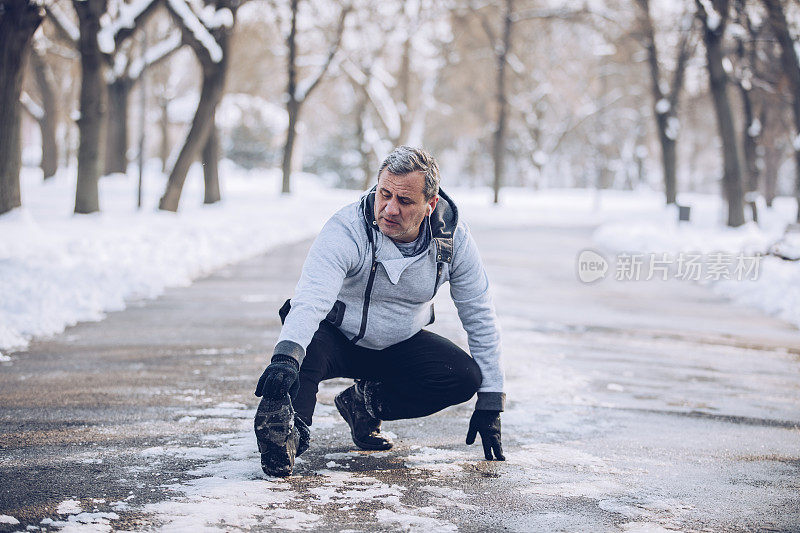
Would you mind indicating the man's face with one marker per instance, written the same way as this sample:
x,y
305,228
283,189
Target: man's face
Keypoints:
x,y
400,204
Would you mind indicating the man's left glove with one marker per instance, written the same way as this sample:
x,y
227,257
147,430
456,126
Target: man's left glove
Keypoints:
x,y
280,378
487,423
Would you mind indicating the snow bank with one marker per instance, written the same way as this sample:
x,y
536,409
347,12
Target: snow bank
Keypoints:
x,y
776,288
57,269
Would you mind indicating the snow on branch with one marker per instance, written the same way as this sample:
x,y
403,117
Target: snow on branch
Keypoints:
x,y
194,26
216,18
63,24
713,18
33,109
110,34
154,54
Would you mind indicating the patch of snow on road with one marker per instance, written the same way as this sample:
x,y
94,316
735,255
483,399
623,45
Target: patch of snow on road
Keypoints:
x,y
69,507
414,522
438,461
346,487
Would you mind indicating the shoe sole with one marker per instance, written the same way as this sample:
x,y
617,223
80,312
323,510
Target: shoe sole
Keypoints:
x,y
275,434
364,446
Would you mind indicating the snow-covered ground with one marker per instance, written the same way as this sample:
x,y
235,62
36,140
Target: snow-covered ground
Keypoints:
x,y
764,281
57,268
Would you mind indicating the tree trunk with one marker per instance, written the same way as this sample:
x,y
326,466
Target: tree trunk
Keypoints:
x,y
18,21
749,148
663,116
164,148
668,159
499,148
732,171
772,151
292,104
49,120
93,105
404,82
117,148
293,108
210,95
791,67
211,166
361,133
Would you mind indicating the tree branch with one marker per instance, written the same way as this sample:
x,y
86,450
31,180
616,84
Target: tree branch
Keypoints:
x,y
63,25
303,94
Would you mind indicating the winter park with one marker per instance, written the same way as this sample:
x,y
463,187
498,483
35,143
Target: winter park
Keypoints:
x,y
431,265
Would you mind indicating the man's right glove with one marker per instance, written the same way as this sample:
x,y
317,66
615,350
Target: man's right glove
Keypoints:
x,y
280,378
487,423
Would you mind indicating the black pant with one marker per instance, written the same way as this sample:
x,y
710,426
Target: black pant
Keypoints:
x,y
416,377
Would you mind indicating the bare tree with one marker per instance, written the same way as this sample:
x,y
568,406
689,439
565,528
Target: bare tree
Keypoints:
x,y
19,19
714,15
98,39
122,80
47,116
297,93
751,125
791,67
665,94
209,38
501,48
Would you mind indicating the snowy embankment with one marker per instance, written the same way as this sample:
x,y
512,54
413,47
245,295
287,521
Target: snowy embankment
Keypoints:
x,y
773,288
57,269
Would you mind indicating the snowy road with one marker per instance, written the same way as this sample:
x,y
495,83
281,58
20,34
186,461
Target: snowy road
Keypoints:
x,y
633,406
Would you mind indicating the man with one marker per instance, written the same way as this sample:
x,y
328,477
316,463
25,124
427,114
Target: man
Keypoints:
x,y
358,311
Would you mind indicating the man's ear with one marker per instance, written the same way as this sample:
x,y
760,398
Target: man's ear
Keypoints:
x,y
432,204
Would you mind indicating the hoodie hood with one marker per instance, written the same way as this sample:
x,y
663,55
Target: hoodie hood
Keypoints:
x,y
443,222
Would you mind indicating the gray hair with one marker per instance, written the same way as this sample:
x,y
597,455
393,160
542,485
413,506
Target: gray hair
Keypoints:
x,y
406,159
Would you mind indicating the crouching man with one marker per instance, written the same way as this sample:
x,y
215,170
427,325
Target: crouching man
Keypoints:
x,y
358,311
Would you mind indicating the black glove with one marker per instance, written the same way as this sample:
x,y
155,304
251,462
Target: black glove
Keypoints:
x,y
487,423
279,378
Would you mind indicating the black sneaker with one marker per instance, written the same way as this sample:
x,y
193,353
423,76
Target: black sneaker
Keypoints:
x,y
364,428
276,435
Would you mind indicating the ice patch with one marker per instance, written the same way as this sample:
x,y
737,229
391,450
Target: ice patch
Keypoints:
x,y
346,487
414,522
450,497
69,507
644,527
6,519
438,461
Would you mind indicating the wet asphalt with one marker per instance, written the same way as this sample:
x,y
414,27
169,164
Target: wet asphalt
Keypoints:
x,y
631,405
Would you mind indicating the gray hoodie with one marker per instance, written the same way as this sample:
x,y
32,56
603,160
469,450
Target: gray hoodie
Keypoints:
x,y
356,277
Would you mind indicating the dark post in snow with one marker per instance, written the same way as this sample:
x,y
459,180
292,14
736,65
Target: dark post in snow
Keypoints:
x,y
665,102
791,68
18,21
295,98
714,23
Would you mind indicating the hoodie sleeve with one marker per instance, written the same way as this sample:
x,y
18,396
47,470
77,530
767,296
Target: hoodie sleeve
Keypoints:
x,y
335,253
469,288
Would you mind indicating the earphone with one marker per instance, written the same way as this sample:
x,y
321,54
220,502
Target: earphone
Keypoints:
x,y
430,210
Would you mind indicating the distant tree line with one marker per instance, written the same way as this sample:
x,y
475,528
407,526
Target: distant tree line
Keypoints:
x,y
510,93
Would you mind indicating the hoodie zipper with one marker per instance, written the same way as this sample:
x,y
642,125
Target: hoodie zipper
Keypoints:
x,y
368,291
